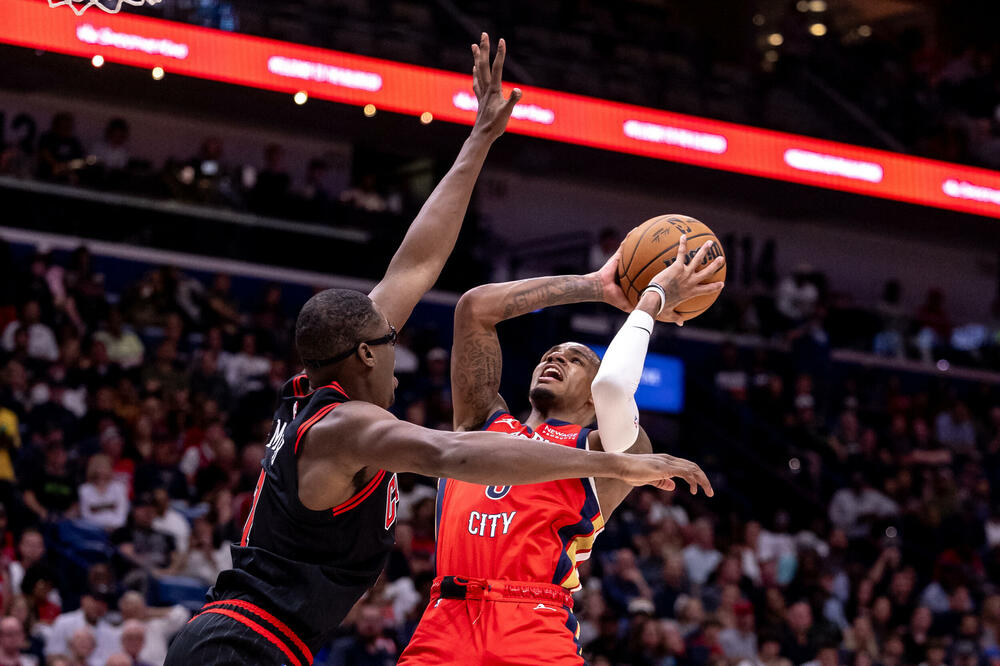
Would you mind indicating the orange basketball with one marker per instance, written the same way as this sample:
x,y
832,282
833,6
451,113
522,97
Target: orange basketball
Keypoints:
x,y
652,246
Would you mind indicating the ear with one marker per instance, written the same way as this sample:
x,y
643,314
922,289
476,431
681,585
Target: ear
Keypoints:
x,y
365,354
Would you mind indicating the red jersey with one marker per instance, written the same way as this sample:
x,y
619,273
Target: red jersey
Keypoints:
x,y
531,533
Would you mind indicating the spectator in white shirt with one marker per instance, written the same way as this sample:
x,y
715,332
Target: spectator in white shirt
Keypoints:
x,y
170,520
700,557
90,615
41,340
112,151
133,642
246,371
161,624
852,508
206,558
103,498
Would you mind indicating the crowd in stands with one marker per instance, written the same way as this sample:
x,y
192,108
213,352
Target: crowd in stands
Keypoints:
x,y
206,177
133,418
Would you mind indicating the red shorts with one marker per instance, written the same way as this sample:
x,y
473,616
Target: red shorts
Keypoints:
x,y
491,622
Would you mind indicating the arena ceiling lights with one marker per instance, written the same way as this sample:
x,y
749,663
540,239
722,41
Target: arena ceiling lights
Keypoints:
x,y
351,79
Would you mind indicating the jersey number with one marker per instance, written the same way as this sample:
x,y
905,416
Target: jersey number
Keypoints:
x,y
497,492
391,500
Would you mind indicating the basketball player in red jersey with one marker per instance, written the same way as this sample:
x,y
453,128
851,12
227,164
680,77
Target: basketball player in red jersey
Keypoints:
x,y
324,510
507,556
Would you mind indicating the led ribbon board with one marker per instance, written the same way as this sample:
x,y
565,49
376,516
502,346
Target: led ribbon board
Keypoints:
x,y
350,79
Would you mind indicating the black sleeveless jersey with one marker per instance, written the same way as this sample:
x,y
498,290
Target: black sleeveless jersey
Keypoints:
x,y
308,568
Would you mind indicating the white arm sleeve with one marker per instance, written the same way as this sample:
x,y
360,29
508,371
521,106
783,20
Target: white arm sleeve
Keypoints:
x,y
616,381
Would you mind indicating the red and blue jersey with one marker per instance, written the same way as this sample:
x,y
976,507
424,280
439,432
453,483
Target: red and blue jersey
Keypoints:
x,y
530,533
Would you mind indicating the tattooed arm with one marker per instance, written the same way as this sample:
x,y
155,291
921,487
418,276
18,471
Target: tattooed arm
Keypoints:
x,y
476,359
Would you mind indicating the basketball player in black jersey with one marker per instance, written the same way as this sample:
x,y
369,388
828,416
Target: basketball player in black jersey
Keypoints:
x,y
322,520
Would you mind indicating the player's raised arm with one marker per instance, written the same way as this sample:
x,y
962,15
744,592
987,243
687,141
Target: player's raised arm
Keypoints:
x,y
476,359
431,237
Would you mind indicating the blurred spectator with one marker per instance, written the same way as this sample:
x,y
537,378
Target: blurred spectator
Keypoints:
x,y
797,296
740,641
41,342
112,152
169,520
853,509
85,632
52,490
103,498
367,645
143,547
700,556
365,195
732,378
604,248
158,626
270,192
60,153
12,642
121,344
133,637
246,370
207,554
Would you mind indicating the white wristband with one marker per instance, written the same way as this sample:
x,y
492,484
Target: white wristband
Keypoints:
x,y
659,292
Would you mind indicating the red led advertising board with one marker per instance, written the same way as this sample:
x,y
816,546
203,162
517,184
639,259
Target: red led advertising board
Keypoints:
x,y
350,79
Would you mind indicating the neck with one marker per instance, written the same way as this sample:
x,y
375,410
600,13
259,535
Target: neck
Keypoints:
x,y
581,417
355,387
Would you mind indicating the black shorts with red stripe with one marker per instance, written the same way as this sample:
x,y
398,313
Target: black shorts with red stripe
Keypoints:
x,y
232,632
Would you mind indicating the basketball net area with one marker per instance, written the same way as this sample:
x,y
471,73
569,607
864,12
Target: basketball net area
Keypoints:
x,y
109,6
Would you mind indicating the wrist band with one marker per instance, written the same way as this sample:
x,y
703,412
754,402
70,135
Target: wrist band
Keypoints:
x,y
659,292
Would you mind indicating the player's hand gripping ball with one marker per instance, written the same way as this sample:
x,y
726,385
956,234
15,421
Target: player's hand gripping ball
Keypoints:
x,y
652,246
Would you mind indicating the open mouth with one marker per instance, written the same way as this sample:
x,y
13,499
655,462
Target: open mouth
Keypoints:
x,y
551,373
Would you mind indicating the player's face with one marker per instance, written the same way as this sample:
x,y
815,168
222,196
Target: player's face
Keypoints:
x,y
384,336
564,374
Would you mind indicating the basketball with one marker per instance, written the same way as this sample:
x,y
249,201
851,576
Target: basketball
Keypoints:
x,y
652,246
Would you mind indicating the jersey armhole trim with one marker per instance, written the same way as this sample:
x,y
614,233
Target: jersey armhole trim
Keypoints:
x,y
313,420
589,481
493,417
359,496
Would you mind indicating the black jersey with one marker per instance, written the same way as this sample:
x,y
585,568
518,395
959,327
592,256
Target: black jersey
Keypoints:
x,y
308,568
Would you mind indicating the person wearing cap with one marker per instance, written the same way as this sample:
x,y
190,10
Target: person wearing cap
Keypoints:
x,y
91,616
740,642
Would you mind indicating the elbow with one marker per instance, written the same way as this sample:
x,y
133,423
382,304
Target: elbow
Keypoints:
x,y
474,305
432,459
607,387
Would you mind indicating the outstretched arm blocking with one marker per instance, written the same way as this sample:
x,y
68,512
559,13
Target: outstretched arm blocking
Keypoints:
x,y
431,237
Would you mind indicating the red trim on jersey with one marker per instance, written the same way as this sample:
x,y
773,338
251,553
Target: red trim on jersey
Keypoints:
x,y
323,411
360,496
253,509
297,385
260,630
257,610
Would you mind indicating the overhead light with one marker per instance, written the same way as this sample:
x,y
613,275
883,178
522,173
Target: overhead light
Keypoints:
x,y
817,6
802,6
775,39
301,97
817,29
771,56
369,110
758,20
97,61
426,117
865,30
158,73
